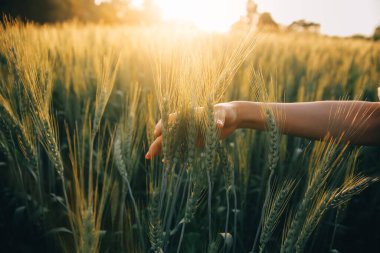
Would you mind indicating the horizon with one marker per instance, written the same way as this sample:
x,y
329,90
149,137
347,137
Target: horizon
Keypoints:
x,y
334,20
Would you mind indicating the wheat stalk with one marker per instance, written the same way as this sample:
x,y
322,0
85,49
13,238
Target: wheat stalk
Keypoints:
x,y
122,168
155,228
329,157
275,208
272,163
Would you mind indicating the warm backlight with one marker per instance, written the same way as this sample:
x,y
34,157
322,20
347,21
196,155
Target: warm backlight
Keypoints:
x,y
207,15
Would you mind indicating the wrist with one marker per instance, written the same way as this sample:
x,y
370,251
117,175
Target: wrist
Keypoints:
x,y
248,114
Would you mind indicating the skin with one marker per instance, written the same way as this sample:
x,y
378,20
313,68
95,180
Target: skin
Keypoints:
x,y
357,122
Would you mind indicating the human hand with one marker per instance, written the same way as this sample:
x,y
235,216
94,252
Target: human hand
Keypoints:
x,y
226,120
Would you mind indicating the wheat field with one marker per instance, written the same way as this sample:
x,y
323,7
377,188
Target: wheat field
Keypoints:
x,y
78,105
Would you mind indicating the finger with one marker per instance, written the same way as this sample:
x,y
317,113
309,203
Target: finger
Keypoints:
x,y
155,148
220,117
158,129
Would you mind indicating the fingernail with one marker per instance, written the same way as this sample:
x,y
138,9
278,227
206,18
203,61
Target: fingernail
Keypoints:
x,y
148,156
219,123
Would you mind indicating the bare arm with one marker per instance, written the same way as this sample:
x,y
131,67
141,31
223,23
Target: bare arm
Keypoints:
x,y
359,121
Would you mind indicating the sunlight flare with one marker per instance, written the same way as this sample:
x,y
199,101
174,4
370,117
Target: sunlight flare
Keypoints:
x,y
207,15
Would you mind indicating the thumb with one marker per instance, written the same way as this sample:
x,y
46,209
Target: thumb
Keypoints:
x,y
220,117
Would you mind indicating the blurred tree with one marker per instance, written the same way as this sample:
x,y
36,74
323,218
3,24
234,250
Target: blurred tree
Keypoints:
x,y
249,20
360,37
84,10
40,11
304,26
117,11
47,11
252,13
376,34
266,21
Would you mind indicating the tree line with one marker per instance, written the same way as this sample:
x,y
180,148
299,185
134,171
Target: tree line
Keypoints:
x,y
51,11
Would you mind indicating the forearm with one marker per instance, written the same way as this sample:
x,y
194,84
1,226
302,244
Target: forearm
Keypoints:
x,y
357,120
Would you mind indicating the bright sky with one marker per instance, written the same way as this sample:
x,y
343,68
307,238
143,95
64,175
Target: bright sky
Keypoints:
x,y
337,17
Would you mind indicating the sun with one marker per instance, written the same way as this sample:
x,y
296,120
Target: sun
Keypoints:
x,y
207,15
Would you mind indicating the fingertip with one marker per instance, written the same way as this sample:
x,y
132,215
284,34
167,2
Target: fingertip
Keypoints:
x,y
148,156
155,148
219,117
219,123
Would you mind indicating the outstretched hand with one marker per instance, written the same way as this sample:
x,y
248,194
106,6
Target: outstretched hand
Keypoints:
x,y
226,120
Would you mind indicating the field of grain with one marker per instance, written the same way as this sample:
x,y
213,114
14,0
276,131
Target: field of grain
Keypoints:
x,y
78,106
